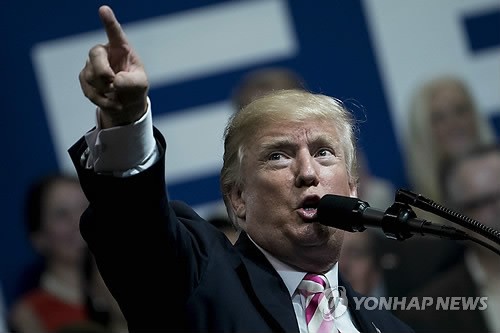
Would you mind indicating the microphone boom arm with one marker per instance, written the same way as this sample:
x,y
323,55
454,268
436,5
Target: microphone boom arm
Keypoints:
x,y
399,222
419,201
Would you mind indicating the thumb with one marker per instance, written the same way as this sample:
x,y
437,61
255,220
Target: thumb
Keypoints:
x,y
130,86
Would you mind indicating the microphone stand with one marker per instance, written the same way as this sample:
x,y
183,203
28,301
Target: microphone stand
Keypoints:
x,y
402,212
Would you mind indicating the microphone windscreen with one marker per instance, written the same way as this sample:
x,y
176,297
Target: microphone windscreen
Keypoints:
x,y
340,212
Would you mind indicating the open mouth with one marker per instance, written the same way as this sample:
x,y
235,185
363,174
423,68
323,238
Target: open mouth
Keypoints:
x,y
309,209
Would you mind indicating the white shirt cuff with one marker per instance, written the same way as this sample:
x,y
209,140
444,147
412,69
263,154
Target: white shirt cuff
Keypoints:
x,y
123,150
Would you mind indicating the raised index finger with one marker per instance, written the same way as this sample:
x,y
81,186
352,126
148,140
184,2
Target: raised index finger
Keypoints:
x,y
116,35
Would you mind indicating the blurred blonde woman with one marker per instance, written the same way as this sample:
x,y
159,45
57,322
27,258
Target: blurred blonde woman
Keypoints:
x,y
444,121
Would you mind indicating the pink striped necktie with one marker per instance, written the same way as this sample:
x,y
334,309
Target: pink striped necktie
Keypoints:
x,y
319,318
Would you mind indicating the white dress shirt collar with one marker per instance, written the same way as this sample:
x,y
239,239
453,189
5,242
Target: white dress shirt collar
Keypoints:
x,y
292,277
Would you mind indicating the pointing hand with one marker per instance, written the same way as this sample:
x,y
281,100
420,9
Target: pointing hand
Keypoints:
x,y
114,78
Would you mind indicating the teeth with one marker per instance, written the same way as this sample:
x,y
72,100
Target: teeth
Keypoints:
x,y
309,208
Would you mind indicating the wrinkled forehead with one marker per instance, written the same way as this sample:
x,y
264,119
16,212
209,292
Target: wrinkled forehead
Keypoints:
x,y
305,130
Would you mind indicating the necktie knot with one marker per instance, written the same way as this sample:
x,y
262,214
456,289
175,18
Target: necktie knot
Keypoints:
x,y
319,318
313,284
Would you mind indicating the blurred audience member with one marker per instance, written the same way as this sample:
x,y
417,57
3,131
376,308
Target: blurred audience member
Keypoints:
x,y
262,81
220,219
101,305
414,262
378,192
53,209
104,314
361,259
444,121
360,262
471,185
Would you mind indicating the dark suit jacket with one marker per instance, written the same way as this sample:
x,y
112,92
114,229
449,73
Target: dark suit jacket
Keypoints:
x,y
172,271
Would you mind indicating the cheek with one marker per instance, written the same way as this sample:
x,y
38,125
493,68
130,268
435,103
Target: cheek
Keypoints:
x,y
259,205
266,199
337,182
268,187
59,229
64,234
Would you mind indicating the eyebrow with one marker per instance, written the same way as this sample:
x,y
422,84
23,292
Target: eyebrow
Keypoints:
x,y
281,143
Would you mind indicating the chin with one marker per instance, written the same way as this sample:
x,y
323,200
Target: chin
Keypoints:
x,y
315,234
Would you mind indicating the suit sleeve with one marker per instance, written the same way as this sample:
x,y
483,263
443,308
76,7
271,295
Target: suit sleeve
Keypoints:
x,y
147,251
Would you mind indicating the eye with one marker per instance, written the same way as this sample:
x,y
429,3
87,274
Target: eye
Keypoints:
x,y
275,156
324,152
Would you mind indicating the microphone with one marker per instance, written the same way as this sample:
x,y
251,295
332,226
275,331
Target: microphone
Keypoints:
x,y
397,222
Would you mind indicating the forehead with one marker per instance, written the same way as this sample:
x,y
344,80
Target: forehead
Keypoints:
x,y
306,131
62,191
445,94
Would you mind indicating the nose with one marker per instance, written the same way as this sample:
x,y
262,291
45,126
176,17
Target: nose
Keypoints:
x,y
306,170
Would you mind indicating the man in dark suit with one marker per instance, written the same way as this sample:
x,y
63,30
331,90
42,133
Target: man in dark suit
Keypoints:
x,y
172,271
471,185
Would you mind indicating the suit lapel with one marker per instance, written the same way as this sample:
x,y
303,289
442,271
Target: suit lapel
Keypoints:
x,y
267,286
272,294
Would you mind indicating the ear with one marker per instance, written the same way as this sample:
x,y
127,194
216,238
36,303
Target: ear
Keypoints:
x,y
237,198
